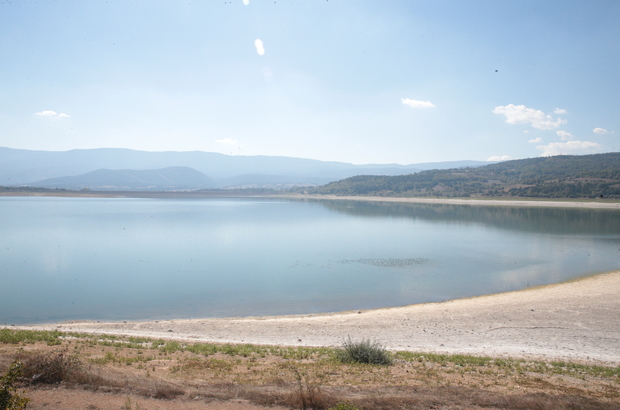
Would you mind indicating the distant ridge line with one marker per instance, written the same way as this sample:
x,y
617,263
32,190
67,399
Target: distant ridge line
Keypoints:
x,y
28,167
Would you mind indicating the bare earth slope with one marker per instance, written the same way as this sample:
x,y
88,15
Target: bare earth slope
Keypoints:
x,y
577,321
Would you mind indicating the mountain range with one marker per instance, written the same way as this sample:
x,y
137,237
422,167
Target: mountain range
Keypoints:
x,y
125,169
164,179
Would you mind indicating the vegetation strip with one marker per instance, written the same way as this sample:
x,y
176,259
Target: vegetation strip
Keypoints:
x,y
350,352
360,374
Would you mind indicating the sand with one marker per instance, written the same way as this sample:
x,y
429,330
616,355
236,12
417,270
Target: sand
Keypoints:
x,y
520,202
576,321
526,202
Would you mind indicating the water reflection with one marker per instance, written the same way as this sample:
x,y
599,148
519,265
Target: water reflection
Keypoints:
x,y
103,259
561,221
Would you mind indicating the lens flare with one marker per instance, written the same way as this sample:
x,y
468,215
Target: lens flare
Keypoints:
x,y
260,49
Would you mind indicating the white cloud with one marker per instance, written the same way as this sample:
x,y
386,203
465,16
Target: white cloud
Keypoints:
x,y
565,135
536,140
560,111
246,2
260,48
46,113
520,114
227,141
526,131
52,114
500,158
570,147
600,131
417,103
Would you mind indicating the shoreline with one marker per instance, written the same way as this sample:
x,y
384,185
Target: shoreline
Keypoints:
x,y
576,320
533,202
521,202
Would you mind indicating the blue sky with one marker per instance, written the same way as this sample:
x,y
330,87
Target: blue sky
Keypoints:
x,y
353,81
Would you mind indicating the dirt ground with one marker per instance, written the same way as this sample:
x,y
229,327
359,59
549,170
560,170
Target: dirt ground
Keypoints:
x,y
124,373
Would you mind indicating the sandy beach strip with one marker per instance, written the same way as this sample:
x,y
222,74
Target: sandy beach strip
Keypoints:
x,y
576,321
522,202
594,204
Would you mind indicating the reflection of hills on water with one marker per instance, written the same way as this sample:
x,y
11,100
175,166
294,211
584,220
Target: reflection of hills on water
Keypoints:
x,y
564,221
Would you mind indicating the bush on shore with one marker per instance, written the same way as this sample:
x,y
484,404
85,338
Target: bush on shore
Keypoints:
x,y
365,351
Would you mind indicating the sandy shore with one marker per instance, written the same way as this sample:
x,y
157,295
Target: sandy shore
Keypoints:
x,y
524,202
477,202
578,321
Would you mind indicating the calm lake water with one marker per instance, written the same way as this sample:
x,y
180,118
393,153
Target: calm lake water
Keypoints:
x,y
115,259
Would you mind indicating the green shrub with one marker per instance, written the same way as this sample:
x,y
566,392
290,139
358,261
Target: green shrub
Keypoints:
x,y
171,347
365,351
11,336
9,398
344,406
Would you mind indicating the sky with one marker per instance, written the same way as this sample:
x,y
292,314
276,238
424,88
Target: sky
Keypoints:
x,y
353,81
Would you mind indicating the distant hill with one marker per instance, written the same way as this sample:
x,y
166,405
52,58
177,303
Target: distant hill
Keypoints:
x,y
565,176
165,179
25,167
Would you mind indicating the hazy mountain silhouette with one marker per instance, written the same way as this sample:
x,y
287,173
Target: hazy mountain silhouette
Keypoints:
x,y
165,179
26,167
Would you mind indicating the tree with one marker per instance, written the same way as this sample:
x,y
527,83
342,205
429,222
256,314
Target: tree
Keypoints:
x,y
9,398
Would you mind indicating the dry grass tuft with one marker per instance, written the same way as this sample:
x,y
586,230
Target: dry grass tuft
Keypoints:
x,y
57,367
50,367
307,395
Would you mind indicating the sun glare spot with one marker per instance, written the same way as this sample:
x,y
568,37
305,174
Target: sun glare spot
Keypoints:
x,y
260,49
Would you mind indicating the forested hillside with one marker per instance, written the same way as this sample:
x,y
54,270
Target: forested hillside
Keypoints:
x,y
564,176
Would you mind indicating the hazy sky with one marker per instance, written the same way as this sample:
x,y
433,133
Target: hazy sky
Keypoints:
x,y
354,81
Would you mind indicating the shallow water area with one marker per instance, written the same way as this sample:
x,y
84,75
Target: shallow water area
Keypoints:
x,y
116,259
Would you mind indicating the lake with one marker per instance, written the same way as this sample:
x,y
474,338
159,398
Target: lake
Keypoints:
x,y
128,259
